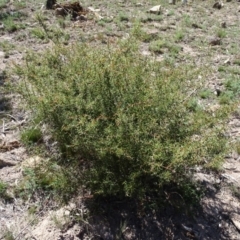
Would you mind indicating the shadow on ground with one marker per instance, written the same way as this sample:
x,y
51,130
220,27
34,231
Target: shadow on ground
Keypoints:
x,y
125,219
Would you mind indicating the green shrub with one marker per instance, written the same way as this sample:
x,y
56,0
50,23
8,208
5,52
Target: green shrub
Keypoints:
x,y
122,117
31,135
3,189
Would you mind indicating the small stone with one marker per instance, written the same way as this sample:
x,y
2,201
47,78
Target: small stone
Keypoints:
x,y
194,25
218,92
93,9
224,25
60,12
81,18
172,2
218,5
215,41
1,54
156,9
66,213
6,160
235,218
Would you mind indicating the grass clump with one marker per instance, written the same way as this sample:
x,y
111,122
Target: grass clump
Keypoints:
x,y
31,135
49,179
205,93
3,191
122,119
3,3
161,46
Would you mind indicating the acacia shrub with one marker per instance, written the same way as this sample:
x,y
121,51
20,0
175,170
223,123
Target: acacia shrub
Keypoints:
x,y
124,118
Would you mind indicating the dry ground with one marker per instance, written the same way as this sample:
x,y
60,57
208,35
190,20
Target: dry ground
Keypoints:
x,y
204,36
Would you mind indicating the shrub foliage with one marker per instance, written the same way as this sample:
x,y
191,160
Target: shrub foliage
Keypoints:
x,y
123,118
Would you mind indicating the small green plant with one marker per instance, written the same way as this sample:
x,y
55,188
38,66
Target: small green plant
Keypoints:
x,y
162,46
8,235
157,46
7,47
38,33
123,17
151,18
237,147
226,97
56,34
10,25
49,178
187,21
142,35
31,135
179,35
101,23
205,93
193,105
3,3
221,33
3,190
19,4
171,12
233,85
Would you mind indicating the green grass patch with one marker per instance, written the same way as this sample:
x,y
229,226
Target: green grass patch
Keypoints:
x,y
31,136
205,93
3,3
3,191
162,46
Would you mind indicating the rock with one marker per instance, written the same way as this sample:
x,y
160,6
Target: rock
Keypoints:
x,y
1,54
215,41
235,218
6,162
155,10
91,9
218,5
218,92
11,158
81,18
50,4
194,25
98,16
223,25
172,2
60,12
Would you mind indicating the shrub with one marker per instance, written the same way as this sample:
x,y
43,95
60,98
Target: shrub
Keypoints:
x,y
122,117
31,135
